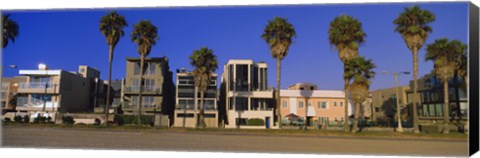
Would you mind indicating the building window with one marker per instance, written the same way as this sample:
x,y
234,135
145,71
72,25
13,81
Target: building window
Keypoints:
x,y
322,105
284,104
300,104
323,120
185,115
136,69
341,103
151,68
335,103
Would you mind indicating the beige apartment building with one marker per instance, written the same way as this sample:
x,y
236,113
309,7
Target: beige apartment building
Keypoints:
x,y
52,91
325,107
158,96
9,89
187,106
384,102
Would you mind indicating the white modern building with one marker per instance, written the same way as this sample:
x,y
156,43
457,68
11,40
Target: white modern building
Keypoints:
x,y
247,96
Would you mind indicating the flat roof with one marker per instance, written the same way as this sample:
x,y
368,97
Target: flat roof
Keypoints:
x,y
312,93
40,72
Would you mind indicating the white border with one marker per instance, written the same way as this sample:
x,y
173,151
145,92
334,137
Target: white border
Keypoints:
x,y
8,5
89,4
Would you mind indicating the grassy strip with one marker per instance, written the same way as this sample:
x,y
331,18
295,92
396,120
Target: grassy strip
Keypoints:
x,y
269,132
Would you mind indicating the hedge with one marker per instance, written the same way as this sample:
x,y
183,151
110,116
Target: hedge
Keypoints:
x,y
255,122
131,119
68,120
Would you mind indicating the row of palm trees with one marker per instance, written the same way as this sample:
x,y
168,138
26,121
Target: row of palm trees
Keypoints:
x,y
346,34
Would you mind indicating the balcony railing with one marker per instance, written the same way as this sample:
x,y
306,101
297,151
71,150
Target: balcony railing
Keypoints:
x,y
191,107
147,89
37,85
4,86
133,105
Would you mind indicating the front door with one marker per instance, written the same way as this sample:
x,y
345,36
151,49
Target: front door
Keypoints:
x,y
267,122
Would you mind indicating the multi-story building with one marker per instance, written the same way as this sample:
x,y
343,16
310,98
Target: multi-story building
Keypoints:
x,y
430,94
8,93
56,90
247,97
384,102
188,101
158,96
325,107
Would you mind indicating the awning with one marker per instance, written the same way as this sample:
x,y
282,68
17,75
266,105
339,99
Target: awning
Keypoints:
x,y
291,115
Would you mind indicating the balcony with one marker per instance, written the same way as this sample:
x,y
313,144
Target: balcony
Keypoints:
x,y
145,90
38,87
191,107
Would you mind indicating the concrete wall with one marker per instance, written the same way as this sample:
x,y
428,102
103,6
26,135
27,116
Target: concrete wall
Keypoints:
x,y
232,115
74,93
190,122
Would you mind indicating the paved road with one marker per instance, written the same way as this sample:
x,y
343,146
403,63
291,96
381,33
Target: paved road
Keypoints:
x,y
45,137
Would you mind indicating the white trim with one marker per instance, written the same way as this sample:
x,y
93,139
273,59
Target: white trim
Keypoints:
x,y
40,72
312,94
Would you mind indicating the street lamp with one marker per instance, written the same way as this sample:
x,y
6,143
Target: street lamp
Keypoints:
x,y
395,75
42,66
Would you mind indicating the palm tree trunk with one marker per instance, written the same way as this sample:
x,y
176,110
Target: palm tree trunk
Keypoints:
x,y
355,118
140,89
415,93
445,108
202,109
278,93
107,103
457,102
345,122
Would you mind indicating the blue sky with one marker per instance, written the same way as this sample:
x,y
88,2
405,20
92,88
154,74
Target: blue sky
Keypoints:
x,y
64,39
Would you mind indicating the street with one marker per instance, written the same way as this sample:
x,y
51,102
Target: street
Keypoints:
x,y
45,137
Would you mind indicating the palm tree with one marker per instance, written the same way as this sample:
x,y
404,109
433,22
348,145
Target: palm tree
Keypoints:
x,y
111,26
444,53
205,63
9,29
412,24
145,36
360,70
278,34
346,34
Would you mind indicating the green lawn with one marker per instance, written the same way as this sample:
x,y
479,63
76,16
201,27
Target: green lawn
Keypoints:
x,y
282,132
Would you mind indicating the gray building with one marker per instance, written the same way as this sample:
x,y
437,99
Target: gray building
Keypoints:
x,y
430,94
186,111
158,89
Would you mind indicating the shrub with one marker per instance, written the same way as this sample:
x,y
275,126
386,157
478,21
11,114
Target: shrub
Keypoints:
x,y
49,119
118,119
68,120
17,119
255,122
40,119
7,120
26,119
97,121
